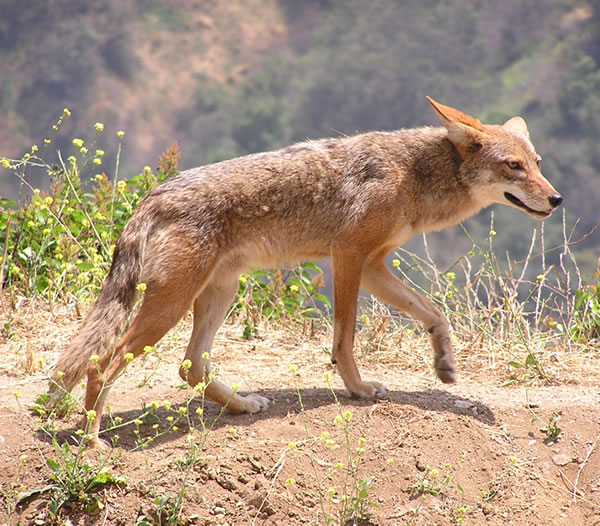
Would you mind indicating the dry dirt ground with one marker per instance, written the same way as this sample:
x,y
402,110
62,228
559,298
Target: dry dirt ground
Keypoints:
x,y
430,454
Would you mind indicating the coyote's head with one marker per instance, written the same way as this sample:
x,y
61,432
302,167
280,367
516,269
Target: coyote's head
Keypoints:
x,y
499,162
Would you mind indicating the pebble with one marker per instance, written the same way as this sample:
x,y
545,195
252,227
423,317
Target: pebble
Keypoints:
x,y
226,483
560,459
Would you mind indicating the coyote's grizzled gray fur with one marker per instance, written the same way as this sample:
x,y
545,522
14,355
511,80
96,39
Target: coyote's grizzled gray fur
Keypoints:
x,y
352,198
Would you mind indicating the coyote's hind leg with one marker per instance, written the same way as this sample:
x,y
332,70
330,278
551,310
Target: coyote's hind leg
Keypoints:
x,y
210,308
160,310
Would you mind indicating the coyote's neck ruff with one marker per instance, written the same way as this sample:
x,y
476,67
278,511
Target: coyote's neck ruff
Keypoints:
x,y
352,198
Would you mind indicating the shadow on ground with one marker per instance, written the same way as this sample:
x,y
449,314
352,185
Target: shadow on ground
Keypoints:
x,y
286,403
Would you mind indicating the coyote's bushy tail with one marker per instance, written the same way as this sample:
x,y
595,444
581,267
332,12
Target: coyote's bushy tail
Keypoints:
x,y
107,319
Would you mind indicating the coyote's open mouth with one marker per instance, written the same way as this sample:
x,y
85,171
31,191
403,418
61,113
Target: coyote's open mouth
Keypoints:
x,y
516,201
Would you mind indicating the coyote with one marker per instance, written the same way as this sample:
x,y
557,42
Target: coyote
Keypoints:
x,y
353,198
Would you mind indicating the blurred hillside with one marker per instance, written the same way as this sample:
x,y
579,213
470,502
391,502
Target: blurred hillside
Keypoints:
x,y
229,78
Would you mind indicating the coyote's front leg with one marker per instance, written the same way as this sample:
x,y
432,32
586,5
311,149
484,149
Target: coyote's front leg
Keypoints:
x,y
347,267
379,281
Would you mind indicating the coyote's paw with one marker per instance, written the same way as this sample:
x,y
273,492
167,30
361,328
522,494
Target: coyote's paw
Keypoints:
x,y
369,390
94,442
97,444
254,403
446,370
445,366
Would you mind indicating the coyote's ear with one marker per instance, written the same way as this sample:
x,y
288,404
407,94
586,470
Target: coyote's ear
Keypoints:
x,y
450,115
464,131
517,125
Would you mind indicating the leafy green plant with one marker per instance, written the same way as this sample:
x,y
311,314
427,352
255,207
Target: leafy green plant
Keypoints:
x,y
43,407
531,365
551,429
429,483
167,510
361,503
73,482
586,304
280,295
59,243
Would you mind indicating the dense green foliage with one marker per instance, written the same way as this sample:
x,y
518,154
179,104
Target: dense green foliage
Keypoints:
x,y
59,244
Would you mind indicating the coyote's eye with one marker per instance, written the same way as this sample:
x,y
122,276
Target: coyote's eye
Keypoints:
x,y
538,161
513,165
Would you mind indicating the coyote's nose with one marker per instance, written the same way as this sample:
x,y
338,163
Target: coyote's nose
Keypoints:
x,y
555,200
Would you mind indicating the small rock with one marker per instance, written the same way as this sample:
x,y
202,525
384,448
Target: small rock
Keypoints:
x,y
420,465
261,503
269,510
560,459
309,503
226,483
487,509
256,501
256,466
463,404
243,478
217,510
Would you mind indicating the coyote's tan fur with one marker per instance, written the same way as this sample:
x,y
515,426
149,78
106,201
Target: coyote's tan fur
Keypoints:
x,y
352,198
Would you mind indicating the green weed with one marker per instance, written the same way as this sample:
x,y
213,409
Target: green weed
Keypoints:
x,y
73,482
586,324
429,483
287,295
551,430
167,510
45,408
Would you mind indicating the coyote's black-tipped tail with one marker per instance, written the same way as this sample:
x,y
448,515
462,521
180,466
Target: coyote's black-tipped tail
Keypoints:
x,y
107,319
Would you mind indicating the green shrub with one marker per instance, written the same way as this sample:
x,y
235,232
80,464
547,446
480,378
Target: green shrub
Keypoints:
x,y
58,244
